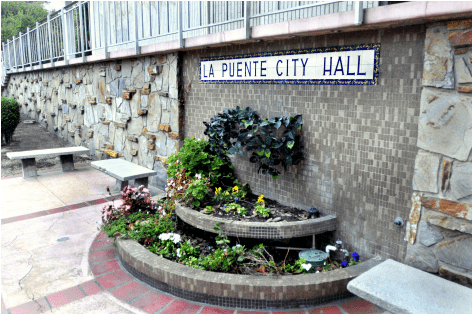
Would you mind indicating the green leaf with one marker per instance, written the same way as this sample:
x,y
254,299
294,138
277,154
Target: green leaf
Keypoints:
x,y
260,153
290,144
268,154
275,176
278,124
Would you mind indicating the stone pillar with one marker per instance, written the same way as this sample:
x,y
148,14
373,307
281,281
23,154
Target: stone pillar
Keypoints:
x,y
29,167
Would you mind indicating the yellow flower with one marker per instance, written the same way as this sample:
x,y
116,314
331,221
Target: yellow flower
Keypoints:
x,y
218,190
235,190
260,199
227,193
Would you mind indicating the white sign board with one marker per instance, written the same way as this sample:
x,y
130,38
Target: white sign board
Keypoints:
x,y
334,65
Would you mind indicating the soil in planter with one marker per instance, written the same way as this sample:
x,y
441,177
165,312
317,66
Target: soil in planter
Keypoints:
x,y
279,212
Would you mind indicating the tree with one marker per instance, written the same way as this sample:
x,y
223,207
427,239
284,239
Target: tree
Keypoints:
x,y
18,15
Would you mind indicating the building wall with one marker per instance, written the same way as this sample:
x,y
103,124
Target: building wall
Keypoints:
x,y
360,141
89,106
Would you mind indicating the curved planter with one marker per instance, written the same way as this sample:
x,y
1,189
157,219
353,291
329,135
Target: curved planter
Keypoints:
x,y
260,230
239,291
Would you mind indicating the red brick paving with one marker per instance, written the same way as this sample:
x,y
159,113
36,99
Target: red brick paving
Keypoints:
x,y
57,210
102,246
360,307
113,279
152,302
326,310
105,267
90,287
32,307
130,291
216,310
289,312
101,256
13,219
102,236
3,304
77,206
36,214
65,297
97,201
181,307
251,312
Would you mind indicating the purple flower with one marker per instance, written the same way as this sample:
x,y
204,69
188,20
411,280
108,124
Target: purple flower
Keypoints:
x,y
344,264
236,199
355,256
224,206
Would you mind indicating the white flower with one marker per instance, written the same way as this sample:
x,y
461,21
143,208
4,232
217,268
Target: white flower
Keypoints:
x,y
178,252
306,266
176,238
317,271
339,242
199,176
164,236
179,188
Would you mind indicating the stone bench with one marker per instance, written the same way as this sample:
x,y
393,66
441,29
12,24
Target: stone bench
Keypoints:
x,y
124,171
28,158
402,289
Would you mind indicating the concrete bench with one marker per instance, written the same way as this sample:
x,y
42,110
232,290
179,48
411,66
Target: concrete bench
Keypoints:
x,y
124,171
28,158
402,289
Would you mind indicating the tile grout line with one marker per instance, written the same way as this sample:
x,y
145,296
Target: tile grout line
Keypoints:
x,y
164,306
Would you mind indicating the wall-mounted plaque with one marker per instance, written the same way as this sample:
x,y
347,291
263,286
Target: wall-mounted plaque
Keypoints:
x,y
342,65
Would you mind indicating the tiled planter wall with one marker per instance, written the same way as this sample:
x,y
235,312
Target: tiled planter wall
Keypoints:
x,y
439,227
121,109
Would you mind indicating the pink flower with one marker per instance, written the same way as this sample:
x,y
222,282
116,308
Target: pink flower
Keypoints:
x,y
145,190
107,187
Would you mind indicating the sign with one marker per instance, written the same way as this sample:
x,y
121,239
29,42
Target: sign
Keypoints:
x,y
343,65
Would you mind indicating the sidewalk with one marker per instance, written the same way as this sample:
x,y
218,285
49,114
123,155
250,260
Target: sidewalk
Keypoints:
x,y
55,260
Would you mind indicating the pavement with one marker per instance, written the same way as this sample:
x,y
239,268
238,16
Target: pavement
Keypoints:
x,y
54,259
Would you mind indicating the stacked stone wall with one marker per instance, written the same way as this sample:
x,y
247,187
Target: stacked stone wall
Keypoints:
x,y
360,141
439,226
125,109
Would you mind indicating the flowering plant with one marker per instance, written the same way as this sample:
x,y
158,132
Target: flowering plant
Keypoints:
x,y
197,190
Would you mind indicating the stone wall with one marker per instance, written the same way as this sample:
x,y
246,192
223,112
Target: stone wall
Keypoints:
x,y
439,226
125,109
360,141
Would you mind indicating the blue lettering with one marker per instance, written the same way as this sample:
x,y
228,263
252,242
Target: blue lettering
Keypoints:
x,y
248,68
204,72
348,68
256,63
359,61
277,69
224,68
339,62
239,69
230,70
329,70
263,75
295,63
303,65
211,73
287,67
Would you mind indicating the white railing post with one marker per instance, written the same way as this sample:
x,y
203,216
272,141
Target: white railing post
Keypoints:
x,y
81,25
358,13
50,41
9,56
14,51
135,12
29,47
39,46
3,55
179,24
105,30
21,52
246,23
65,37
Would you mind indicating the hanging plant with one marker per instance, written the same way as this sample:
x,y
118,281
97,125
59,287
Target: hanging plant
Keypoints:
x,y
272,142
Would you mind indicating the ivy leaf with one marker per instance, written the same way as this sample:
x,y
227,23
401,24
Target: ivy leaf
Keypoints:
x,y
264,123
278,124
275,176
268,154
232,150
260,153
240,153
290,134
290,144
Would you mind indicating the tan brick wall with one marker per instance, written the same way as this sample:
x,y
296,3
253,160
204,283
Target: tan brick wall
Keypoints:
x,y
360,140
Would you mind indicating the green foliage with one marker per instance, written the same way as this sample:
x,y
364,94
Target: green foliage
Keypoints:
x,y
197,158
237,208
261,210
10,117
197,192
273,142
18,15
221,239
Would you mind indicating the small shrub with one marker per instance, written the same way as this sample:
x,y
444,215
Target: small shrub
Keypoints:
x,y
10,118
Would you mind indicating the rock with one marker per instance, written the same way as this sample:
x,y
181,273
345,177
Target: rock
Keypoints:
x,y
460,181
427,235
446,221
174,110
137,75
171,146
113,88
456,252
135,126
414,216
422,258
135,104
269,220
277,219
161,143
445,123
459,276
173,90
438,59
160,179
462,71
126,69
426,172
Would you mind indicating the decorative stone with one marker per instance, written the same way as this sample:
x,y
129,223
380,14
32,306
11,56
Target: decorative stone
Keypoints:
x,y
428,236
108,100
414,216
446,221
68,86
52,114
90,133
176,136
55,128
38,110
73,106
463,278
66,118
77,81
45,83
109,146
144,92
459,25
456,252
446,172
102,73
142,111
71,132
459,38
104,122
445,123
426,172
462,71
133,152
438,59
460,182
111,153
81,108
149,136
151,146
132,138
422,258
166,128
464,89
92,100
119,124
164,94
456,209
117,67
126,96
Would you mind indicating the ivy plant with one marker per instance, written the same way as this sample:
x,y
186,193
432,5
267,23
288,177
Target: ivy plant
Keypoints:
x,y
272,142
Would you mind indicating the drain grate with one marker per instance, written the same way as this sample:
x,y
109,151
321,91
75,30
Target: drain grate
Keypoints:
x,y
63,239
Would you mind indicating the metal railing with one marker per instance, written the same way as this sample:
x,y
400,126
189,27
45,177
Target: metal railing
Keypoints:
x,y
92,27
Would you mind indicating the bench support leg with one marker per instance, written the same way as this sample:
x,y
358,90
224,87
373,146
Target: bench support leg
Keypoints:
x,y
141,181
120,184
67,162
29,167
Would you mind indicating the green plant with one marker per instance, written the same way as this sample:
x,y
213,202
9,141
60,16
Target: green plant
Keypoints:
x,y
261,210
236,207
272,142
197,158
209,209
197,191
10,118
